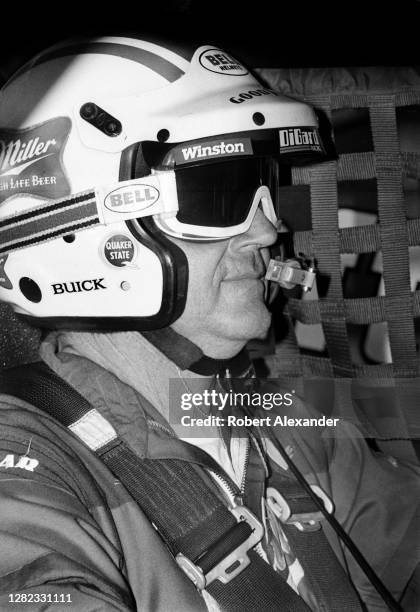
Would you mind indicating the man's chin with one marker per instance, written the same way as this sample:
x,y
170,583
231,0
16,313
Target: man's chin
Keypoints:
x,y
255,325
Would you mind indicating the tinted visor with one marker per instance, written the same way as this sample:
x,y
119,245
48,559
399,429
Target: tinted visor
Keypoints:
x,y
217,177
221,194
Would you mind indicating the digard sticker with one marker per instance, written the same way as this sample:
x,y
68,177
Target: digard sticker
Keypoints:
x,y
220,62
294,140
133,198
228,147
119,250
30,160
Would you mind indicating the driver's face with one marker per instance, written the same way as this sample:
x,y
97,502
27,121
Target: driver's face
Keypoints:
x,y
225,304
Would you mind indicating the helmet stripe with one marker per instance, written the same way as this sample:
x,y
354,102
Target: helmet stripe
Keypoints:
x,y
151,60
42,211
51,234
45,223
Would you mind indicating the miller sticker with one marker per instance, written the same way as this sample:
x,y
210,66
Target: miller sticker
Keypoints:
x,y
220,62
31,160
119,250
228,147
297,139
134,198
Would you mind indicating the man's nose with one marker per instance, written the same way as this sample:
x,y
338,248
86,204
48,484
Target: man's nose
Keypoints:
x,y
261,232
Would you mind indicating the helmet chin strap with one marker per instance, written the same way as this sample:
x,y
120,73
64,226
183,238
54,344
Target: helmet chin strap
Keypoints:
x,y
188,356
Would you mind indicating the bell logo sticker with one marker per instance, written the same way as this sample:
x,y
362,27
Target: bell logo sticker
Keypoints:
x,y
31,160
134,198
220,62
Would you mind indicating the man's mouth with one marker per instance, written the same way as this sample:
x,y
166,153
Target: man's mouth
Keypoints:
x,y
256,271
249,276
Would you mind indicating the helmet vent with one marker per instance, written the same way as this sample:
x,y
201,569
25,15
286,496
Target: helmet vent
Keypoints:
x,y
69,238
30,289
99,118
258,118
163,135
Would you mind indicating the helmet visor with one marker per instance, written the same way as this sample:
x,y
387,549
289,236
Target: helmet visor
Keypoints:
x,y
221,194
218,178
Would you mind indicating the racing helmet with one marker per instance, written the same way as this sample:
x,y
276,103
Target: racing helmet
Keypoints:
x,y
110,146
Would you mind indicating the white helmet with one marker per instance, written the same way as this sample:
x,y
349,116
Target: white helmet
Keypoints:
x,y
108,145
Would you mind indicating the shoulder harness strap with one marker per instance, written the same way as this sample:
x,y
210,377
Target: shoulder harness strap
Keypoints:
x,y
213,544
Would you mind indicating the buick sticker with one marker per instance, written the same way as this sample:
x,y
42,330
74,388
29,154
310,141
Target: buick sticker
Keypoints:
x,y
30,160
220,62
119,250
300,139
93,284
134,198
228,147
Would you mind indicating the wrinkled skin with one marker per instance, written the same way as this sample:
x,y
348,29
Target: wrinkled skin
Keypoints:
x,y
225,304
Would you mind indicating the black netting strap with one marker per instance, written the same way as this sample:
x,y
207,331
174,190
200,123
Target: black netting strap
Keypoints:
x,y
350,167
327,253
356,166
359,239
410,161
413,228
394,235
360,311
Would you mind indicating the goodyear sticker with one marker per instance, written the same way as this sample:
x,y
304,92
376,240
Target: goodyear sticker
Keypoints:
x,y
216,60
30,160
119,250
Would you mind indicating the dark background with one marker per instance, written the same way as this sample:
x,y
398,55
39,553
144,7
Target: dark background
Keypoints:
x,y
265,33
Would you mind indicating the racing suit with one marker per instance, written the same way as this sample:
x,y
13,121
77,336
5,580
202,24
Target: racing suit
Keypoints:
x,y
69,527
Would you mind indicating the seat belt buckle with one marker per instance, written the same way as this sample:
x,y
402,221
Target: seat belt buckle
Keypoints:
x,y
233,563
304,521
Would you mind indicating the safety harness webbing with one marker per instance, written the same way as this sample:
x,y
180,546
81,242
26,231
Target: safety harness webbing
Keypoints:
x,y
374,116
180,500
